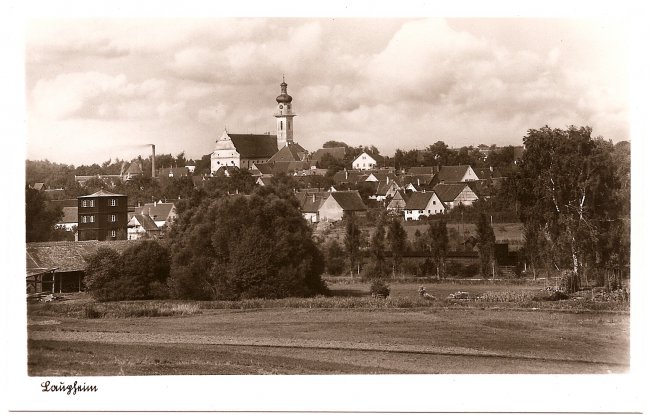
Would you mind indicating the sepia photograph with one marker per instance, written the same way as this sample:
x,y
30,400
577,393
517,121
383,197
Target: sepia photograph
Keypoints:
x,y
326,195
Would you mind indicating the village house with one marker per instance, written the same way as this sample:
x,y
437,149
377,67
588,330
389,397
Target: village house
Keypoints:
x,y
162,213
455,194
397,203
364,162
339,203
310,204
423,204
173,172
456,174
141,227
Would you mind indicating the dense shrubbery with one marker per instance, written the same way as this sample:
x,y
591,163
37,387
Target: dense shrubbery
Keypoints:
x,y
140,273
237,247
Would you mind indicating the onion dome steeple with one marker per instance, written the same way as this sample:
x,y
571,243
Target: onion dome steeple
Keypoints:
x,y
283,98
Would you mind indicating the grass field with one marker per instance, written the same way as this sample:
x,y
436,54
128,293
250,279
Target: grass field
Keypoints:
x,y
292,338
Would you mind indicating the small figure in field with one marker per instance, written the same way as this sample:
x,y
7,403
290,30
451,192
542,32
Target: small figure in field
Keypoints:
x,y
423,293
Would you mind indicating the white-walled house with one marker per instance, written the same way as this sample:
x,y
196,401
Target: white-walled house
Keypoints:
x,y
455,194
364,162
422,204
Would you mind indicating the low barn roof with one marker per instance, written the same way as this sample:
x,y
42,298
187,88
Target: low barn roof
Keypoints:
x,y
67,256
337,152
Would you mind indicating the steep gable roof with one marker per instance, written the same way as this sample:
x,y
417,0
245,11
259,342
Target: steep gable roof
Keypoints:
x,y
134,168
349,200
348,176
419,200
311,201
290,152
448,192
452,173
145,221
255,145
158,211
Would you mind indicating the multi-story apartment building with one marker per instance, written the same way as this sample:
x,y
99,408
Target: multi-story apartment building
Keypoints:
x,y
102,216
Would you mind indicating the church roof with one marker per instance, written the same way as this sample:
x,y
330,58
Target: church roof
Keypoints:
x,y
255,145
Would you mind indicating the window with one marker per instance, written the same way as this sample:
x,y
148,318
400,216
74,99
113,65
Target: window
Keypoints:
x,y
281,125
421,211
84,219
429,211
113,218
92,218
434,202
113,233
113,202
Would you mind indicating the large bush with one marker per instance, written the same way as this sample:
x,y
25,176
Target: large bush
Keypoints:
x,y
254,246
141,272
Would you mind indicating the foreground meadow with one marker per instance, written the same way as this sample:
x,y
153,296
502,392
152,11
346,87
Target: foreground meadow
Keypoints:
x,y
349,332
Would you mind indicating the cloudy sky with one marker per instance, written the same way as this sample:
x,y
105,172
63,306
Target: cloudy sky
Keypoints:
x,y
99,88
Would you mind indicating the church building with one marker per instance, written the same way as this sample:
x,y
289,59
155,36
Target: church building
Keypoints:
x,y
245,150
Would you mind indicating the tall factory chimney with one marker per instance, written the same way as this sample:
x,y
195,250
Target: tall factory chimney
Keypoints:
x,y
153,161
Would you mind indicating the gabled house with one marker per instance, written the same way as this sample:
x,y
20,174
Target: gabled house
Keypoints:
x,y
364,162
423,204
455,194
456,174
134,170
310,203
385,190
338,203
163,214
142,226
397,203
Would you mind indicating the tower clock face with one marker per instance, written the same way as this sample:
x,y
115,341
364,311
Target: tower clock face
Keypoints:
x,y
281,106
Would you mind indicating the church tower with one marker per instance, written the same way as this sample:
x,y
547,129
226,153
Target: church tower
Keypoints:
x,y
284,117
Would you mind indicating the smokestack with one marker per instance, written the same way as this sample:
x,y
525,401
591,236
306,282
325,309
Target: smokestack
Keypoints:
x,y
153,161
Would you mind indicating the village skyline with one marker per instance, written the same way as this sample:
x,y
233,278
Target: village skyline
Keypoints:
x,y
100,89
